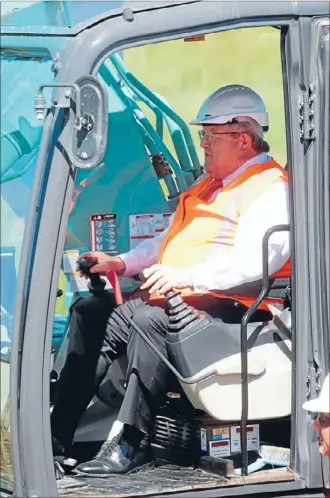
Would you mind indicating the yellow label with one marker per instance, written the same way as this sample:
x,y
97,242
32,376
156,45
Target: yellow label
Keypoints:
x,y
221,431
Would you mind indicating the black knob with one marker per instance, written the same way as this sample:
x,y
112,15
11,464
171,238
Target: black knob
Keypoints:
x,y
96,283
180,314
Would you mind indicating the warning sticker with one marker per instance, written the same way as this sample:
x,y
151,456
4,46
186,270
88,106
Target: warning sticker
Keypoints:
x,y
253,439
70,260
147,226
219,449
80,284
203,440
104,233
219,433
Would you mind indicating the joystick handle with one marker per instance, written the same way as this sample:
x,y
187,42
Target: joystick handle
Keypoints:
x,y
180,314
96,283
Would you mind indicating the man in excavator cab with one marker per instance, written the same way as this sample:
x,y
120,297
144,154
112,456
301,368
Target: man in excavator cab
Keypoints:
x,y
211,253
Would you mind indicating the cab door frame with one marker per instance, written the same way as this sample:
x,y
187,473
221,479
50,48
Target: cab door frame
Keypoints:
x,y
310,225
318,175
38,280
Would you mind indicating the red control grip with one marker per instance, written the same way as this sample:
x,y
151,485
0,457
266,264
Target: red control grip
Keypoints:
x,y
113,279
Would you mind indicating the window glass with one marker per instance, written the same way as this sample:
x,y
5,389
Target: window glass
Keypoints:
x,y
20,139
186,72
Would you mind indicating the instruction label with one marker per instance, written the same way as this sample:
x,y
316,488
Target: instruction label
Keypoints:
x,y
70,261
147,226
219,449
80,284
104,233
253,438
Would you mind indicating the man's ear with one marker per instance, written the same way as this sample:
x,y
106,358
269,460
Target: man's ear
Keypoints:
x,y
246,141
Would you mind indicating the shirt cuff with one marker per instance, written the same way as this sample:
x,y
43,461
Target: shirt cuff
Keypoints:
x,y
132,265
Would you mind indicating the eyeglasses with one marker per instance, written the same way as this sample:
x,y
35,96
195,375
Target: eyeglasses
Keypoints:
x,y
210,136
323,419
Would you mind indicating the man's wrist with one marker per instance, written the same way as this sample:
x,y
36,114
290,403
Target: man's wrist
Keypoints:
x,y
121,268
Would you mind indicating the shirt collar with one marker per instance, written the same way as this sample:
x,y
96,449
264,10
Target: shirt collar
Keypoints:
x,y
259,159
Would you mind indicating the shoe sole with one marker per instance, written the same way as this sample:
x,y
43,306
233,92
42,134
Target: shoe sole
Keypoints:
x,y
136,469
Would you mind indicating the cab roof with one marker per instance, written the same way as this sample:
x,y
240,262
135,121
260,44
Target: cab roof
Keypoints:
x,y
71,17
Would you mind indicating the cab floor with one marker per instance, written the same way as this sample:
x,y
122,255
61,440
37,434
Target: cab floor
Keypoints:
x,y
152,481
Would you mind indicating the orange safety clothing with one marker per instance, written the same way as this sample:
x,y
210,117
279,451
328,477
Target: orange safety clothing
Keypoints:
x,y
200,220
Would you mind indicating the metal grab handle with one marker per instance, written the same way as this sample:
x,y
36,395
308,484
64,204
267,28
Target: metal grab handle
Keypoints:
x,y
149,98
244,342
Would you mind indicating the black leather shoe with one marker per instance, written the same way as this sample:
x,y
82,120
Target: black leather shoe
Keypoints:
x,y
116,458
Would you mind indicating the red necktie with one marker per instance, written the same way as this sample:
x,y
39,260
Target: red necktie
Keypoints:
x,y
206,194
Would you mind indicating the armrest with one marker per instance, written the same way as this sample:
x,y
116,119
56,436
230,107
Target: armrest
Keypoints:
x,y
232,366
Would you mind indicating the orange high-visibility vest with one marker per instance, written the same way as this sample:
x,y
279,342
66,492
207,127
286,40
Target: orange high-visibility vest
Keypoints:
x,y
198,224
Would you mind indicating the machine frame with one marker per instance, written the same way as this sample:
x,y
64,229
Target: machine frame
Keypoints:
x,y
137,24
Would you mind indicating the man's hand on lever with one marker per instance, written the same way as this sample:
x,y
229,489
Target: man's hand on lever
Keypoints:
x,y
163,278
104,263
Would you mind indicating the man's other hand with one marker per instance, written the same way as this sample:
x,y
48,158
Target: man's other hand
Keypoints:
x,y
104,263
162,278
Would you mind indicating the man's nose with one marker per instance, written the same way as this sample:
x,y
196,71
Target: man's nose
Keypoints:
x,y
205,144
316,424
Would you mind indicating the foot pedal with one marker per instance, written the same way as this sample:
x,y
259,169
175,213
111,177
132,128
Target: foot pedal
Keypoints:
x,y
59,471
69,463
69,483
63,465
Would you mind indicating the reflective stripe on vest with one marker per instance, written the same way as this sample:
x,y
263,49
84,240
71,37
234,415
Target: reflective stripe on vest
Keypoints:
x,y
198,222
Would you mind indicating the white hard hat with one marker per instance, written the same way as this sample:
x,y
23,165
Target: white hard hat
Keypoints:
x,y
229,102
322,403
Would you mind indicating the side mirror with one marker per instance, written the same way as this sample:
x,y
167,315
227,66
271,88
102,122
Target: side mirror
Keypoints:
x,y
88,139
87,100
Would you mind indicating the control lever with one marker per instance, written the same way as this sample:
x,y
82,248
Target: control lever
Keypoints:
x,y
96,284
181,317
180,314
113,279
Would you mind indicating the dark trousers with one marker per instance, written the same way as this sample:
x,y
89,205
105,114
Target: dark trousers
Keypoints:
x,y
98,334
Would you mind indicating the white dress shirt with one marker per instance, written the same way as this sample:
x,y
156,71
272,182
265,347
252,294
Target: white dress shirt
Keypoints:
x,y
222,269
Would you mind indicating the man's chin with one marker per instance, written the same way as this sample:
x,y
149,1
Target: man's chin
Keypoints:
x,y
208,170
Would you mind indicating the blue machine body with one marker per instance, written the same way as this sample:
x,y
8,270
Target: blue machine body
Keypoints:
x,y
125,183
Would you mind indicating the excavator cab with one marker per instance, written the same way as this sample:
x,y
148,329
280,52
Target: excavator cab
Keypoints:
x,y
96,149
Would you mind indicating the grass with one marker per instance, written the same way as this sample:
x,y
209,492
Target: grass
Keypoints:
x,y
185,73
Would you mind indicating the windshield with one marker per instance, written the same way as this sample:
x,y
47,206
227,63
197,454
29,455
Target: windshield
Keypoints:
x,y
20,139
58,13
